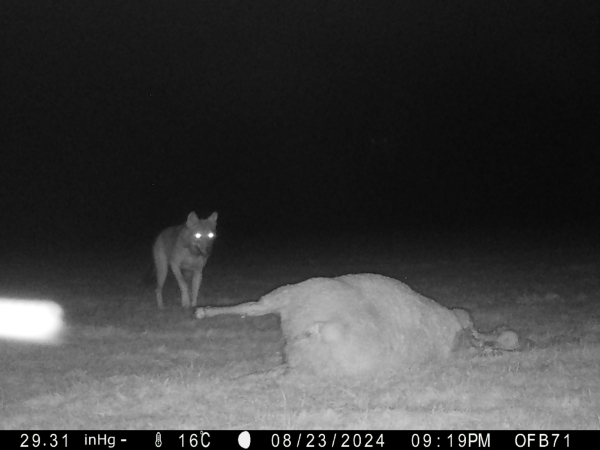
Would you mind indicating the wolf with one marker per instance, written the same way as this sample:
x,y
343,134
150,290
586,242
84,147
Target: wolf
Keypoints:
x,y
184,247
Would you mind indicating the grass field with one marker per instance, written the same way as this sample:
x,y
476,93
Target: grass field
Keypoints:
x,y
123,364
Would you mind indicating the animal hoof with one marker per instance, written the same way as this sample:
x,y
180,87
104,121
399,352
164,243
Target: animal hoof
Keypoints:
x,y
508,340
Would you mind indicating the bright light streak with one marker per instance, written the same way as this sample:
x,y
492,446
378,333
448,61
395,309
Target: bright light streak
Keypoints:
x,y
30,320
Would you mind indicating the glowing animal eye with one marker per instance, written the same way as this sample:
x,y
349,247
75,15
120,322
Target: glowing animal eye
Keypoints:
x,y
211,235
198,235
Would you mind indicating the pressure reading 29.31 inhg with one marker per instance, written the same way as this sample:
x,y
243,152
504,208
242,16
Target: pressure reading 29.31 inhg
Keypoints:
x,y
36,440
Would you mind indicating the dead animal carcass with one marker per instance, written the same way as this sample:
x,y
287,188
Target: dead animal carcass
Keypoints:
x,y
360,325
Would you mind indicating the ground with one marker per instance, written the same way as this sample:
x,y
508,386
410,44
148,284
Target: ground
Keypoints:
x,y
124,364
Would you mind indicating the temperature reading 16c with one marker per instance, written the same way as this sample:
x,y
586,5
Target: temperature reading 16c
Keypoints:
x,y
194,440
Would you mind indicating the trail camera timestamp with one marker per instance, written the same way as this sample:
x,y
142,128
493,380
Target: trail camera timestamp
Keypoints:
x,y
450,440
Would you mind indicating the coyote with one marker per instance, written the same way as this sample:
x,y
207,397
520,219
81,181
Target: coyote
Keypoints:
x,y
184,247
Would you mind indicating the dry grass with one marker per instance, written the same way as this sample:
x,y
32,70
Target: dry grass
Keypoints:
x,y
126,365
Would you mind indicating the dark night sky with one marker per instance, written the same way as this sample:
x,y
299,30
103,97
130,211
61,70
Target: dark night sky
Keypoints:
x,y
120,117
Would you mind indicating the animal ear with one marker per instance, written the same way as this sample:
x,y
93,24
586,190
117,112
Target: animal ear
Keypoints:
x,y
192,219
213,217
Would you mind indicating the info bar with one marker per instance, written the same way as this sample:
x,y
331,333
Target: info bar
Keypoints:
x,y
283,440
